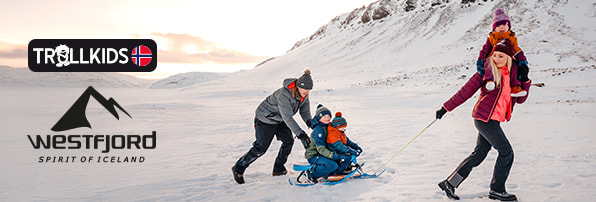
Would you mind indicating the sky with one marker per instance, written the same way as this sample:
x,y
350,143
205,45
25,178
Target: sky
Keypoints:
x,y
214,36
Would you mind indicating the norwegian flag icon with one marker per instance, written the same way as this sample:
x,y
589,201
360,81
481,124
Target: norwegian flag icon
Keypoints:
x,y
141,55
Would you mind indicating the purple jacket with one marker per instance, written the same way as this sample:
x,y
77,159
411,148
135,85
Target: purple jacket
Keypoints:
x,y
487,102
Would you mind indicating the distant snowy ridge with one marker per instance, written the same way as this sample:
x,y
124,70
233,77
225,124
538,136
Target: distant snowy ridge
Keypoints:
x,y
186,79
23,77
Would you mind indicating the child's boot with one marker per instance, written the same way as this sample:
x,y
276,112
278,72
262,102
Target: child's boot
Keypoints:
x,y
517,91
310,176
335,178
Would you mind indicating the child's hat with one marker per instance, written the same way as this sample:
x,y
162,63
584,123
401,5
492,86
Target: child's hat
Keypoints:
x,y
504,46
339,121
500,18
321,111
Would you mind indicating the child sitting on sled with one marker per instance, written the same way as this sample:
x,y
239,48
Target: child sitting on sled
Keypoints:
x,y
340,143
323,161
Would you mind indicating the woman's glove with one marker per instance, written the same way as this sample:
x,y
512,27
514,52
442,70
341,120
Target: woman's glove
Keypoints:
x,y
441,112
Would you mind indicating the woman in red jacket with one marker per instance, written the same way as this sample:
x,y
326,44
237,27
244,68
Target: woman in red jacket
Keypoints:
x,y
492,108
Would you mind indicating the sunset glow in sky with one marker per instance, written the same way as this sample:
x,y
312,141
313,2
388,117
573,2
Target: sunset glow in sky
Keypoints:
x,y
216,36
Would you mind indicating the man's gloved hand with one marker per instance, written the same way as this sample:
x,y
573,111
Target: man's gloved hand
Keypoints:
x,y
309,123
304,139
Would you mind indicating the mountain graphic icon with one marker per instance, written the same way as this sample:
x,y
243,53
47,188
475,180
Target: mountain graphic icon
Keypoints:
x,y
75,116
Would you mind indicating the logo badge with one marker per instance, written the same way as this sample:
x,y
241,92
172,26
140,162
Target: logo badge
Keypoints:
x,y
75,116
92,55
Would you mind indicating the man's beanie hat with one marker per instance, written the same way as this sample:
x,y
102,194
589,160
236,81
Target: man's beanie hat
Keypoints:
x,y
305,81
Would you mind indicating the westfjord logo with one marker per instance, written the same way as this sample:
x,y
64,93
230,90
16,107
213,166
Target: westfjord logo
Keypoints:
x,y
75,117
92,55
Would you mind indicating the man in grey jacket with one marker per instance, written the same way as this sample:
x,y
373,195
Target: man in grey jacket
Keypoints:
x,y
274,117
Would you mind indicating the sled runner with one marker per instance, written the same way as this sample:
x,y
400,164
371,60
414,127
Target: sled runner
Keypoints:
x,y
302,179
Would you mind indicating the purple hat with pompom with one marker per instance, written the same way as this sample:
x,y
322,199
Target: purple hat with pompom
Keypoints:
x,y
500,18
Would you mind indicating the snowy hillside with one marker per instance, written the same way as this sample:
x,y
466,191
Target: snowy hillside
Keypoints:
x,y
422,35
386,75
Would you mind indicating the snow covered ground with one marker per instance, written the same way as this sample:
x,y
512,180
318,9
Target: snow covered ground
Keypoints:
x,y
387,82
201,135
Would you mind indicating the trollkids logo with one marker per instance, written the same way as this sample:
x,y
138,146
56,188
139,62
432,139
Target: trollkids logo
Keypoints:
x,y
92,55
75,117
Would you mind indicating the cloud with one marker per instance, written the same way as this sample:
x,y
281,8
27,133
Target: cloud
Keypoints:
x,y
185,48
12,51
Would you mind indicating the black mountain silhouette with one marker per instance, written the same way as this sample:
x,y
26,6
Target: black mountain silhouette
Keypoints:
x,y
75,116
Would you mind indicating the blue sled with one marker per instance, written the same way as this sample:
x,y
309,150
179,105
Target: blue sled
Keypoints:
x,y
304,167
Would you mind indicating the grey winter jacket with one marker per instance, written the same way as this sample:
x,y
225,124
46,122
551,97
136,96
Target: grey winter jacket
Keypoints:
x,y
281,107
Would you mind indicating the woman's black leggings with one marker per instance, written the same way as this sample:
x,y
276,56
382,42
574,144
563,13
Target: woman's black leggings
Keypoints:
x,y
490,135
